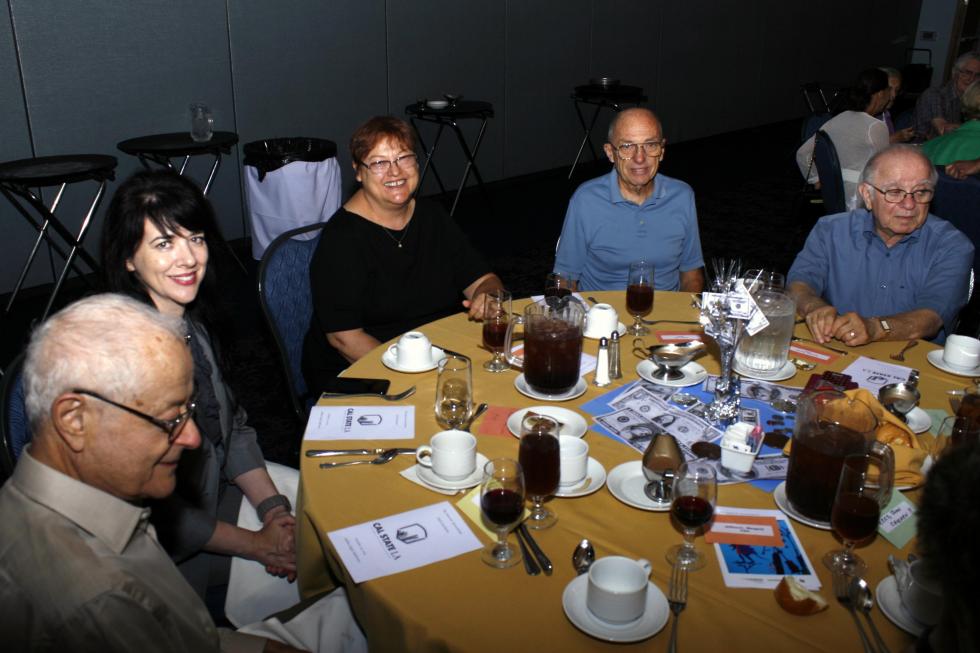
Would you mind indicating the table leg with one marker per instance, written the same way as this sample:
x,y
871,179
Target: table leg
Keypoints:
x,y
470,160
587,137
428,156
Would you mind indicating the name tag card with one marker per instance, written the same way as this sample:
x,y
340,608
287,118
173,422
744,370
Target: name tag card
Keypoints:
x,y
744,529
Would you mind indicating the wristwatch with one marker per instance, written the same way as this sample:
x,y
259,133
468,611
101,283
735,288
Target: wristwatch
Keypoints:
x,y
884,325
274,501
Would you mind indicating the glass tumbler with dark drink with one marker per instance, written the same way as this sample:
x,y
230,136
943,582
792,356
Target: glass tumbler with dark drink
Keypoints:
x,y
695,492
857,507
955,432
540,460
639,295
495,319
502,504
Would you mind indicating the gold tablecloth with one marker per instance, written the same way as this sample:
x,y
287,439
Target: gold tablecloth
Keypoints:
x,y
462,604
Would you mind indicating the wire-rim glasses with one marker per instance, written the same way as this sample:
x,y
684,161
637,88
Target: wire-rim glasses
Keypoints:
x,y
651,148
172,427
382,166
897,195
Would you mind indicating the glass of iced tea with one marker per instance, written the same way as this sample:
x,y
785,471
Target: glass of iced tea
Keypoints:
x,y
495,319
541,462
639,295
857,508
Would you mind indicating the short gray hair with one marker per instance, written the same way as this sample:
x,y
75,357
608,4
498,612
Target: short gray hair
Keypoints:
x,y
970,102
619,116
99,343
870,173
963,58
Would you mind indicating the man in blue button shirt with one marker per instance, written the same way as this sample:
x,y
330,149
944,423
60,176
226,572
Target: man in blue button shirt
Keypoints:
x,y
891,271
632,214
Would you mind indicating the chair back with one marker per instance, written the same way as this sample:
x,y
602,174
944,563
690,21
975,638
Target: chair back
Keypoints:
x,y
828,169
814,97
957,200
15,432
287,303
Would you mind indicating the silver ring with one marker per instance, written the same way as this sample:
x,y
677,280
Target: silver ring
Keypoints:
x,y
850,335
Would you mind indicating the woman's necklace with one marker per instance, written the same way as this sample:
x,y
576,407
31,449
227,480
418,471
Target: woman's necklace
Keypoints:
x,y
397,241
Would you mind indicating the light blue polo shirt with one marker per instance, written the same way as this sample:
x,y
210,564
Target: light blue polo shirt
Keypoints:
x,y
604,232
847,263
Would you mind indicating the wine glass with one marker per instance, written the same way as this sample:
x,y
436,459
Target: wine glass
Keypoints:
x,y
557,285
454,391
502,503
540,459
953,432
694,494
495,319
756,280
854,517
639,295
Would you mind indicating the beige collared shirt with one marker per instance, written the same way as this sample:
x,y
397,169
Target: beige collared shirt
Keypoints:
x,y
81,570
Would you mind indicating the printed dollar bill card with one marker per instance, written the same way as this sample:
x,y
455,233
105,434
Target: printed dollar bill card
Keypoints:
x,y
361,423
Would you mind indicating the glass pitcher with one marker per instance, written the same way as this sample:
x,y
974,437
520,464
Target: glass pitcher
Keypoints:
x,y
552,345
829,427
768,350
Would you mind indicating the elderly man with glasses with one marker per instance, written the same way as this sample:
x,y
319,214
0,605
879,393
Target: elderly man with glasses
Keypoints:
x,y
632,213
938,109
889,271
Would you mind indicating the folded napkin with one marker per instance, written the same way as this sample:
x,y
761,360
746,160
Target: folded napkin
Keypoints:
x,y
908,457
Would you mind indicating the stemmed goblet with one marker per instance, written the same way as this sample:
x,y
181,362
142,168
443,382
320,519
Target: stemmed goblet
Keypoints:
x,y
953,432
495,319
854,517
557,285
539,455
502,503
639,295
695,492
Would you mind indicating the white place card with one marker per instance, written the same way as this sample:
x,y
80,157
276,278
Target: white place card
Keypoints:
x,y
361,423
408,540
872,374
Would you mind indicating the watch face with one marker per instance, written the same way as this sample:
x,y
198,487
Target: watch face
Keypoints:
x,y
885,325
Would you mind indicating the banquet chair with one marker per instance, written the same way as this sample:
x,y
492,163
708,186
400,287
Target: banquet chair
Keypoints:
x,y
287,303
828,169
956,201
14,430
813,95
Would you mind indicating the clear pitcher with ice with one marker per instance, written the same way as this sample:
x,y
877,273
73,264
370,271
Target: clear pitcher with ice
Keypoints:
x,y
768,350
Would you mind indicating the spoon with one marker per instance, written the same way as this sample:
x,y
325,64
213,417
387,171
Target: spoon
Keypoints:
x,y
476,413
583,556
803,365
385,457
861,598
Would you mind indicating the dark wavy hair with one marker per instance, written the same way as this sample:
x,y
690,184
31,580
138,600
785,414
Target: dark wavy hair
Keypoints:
x,y
377,129
858,96
170,202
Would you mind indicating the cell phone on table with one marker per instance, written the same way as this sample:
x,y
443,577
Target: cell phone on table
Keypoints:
x,y
356,386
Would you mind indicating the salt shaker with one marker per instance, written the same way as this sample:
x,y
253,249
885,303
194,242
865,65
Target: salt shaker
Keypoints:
x,y
615,369
602,364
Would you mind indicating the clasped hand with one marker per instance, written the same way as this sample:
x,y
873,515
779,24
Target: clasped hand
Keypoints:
x,y
275,546
850,328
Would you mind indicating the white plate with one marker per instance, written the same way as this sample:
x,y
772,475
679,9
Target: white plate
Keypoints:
x,y
577,391
787,371
621,329
654,615
891,606
936,358
426,475
390,361
693,374
572,423
596,474
918,420
782,502
626,483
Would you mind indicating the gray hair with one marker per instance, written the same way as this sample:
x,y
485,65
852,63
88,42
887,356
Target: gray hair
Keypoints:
x,y
970,102
963,58
870,173
619,116
891,72
99,343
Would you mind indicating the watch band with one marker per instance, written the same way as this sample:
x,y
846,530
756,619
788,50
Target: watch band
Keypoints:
x,y
884,325
274,501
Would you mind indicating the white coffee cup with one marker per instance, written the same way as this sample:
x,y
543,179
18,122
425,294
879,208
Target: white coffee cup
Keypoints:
x,y
617,590
574,457
412,350
962,352
921,594
451,455
601,321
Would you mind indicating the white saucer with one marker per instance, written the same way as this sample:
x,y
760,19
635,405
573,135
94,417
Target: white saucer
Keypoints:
x,y
621,329
918,420
577,391
595,473
782,502
936,358
787,371
572,423
891,606
693,374
390,361
427,476
626,483
654,615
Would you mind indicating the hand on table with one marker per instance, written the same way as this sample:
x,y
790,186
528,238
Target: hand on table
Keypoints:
x,y
821,323
852,329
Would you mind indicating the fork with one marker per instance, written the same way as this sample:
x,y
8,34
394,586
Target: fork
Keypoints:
x,y
841,582
677,598
395,397
900,356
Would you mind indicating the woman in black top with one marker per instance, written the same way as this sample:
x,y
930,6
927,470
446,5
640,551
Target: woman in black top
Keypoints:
x,y
386,263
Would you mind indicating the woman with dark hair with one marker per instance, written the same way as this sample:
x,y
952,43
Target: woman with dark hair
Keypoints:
x,y
855,132
155,248
386,262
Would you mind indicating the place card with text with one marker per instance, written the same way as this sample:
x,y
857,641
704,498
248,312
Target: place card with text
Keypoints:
x,y
361,423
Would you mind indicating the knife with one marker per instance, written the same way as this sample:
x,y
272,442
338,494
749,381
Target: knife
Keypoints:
x,y
319,453
538,553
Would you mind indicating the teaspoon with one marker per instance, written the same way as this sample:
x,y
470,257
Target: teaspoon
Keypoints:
x,y
476,413
861,599
583,556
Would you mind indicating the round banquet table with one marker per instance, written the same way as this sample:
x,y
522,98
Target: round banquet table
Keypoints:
x,y
461,604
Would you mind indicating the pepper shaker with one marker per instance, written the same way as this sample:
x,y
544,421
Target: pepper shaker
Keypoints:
x,y
602,364
615,368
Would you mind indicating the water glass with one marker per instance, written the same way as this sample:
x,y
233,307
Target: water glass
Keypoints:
x,y
202,122
495,320
454,391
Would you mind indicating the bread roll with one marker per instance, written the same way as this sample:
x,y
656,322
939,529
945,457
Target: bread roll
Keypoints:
x,y
889,433
796,599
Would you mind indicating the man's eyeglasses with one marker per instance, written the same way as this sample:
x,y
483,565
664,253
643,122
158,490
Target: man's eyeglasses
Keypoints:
x,y
172,427
650,148
969,74
896,195
381,166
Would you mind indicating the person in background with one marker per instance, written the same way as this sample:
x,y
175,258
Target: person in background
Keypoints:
x,y
962,144
632,213
938,109
895,135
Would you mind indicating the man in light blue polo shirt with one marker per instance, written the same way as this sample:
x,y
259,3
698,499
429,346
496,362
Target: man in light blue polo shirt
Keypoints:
x,y
632,214
888,272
